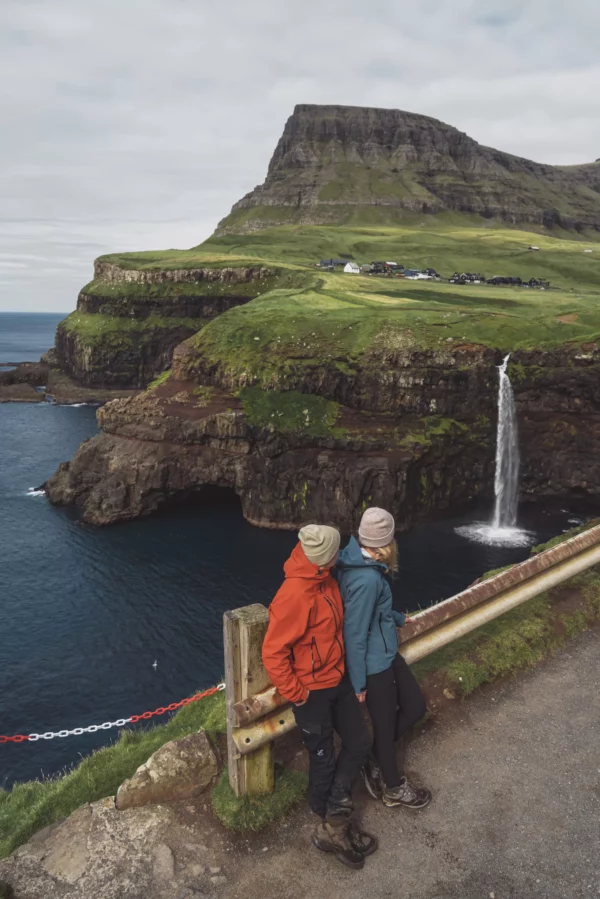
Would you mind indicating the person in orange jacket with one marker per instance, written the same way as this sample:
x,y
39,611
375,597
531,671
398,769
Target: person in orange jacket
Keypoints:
x,y
303,653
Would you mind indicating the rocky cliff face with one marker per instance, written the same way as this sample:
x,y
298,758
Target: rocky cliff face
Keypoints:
x,y
129,321
334,160
162,446
171,442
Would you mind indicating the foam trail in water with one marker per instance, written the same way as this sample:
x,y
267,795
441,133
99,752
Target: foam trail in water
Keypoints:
x,y
35,491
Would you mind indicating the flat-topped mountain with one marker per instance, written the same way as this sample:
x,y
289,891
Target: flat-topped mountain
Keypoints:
x,y
341,164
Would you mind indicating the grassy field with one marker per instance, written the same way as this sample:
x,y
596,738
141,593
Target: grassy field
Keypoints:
x,y
269,341
320,317
446,243
439,243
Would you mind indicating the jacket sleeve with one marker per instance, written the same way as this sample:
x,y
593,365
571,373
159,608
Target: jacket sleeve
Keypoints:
x,y
359,595
399,618
288,622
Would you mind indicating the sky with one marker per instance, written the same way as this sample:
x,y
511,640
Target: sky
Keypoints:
x,y
136,124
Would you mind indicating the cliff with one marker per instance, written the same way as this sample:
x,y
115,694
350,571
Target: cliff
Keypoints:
x,y
340,164
293,457
128,320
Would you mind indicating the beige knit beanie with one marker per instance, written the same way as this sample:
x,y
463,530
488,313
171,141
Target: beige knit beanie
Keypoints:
x,y
319,542
377,528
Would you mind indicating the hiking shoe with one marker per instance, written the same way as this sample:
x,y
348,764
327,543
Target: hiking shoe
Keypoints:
x,y
335,838
373,780
363,842
406,795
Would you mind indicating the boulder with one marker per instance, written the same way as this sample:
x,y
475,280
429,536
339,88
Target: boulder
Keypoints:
x,y
181,769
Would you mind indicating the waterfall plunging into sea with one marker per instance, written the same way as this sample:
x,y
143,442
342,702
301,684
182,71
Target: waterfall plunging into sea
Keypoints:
x,y
503,530
506,482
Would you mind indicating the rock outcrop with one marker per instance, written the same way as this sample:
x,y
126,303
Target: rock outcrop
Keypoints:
x,y
181,769
332,162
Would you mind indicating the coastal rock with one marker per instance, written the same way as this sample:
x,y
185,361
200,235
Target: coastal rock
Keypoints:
x,y
161,446
430,449
181,769
20,393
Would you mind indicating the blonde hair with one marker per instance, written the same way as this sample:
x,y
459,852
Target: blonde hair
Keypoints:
x,y
388,555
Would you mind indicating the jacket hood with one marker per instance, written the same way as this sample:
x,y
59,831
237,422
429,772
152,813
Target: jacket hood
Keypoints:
x,y
351,557
298,566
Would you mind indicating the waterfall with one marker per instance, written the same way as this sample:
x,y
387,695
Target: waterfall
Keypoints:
x,y
503,530
506,483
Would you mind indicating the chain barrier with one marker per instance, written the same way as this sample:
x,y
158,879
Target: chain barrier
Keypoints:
x,y
120,722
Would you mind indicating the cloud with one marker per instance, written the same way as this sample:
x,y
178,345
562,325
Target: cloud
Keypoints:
x,y
137,124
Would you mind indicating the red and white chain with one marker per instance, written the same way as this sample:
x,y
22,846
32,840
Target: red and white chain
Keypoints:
x,y
120,722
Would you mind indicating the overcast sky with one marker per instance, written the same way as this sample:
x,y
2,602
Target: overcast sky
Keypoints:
x,y
136,124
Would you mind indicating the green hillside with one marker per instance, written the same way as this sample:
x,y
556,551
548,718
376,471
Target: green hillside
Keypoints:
x,y
337,317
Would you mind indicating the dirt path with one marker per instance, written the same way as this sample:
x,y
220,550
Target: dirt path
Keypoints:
x,y
516,811
516,815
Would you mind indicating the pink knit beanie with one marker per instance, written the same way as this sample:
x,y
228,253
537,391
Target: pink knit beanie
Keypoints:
x,y
376,528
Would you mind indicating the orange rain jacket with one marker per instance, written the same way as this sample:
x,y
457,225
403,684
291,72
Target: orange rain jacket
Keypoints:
x,y
304,646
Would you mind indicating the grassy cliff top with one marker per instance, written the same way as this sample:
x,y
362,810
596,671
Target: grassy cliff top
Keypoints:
x,y
336,317
446,242
342,321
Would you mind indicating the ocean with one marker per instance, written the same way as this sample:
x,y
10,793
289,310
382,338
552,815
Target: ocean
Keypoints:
x,y
85,612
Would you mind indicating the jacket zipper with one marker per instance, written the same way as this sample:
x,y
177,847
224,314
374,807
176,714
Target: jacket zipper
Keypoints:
x,y
337,623
381,632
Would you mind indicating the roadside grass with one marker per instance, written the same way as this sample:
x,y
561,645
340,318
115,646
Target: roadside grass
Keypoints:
x,y
252,813
29,807
521,638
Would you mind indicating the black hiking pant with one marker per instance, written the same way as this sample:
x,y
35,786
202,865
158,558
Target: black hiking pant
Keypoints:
x,y
395,702
325,711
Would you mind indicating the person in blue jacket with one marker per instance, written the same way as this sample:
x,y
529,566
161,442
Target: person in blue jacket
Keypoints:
x,y
378,673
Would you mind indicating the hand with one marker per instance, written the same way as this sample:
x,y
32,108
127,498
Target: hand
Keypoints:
x,y
361,696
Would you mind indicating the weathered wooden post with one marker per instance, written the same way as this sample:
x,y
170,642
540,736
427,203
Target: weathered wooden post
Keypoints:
x,y
243,634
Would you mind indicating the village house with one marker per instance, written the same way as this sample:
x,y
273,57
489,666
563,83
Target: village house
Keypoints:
x,y
351,268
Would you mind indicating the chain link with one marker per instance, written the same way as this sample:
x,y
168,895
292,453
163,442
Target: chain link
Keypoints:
x,y
120,722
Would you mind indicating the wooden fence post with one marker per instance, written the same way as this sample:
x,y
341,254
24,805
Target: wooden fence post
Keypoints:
x,y
243,633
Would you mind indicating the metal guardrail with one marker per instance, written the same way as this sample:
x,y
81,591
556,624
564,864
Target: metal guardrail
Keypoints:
x,y
258,719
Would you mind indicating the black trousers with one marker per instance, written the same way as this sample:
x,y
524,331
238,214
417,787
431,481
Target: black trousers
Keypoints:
x,y
334,708
395,702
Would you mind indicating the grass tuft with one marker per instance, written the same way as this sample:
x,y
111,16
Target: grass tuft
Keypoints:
x,y
246,813
161,379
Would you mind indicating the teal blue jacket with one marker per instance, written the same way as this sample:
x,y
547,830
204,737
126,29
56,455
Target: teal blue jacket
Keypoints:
x,y
370,622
